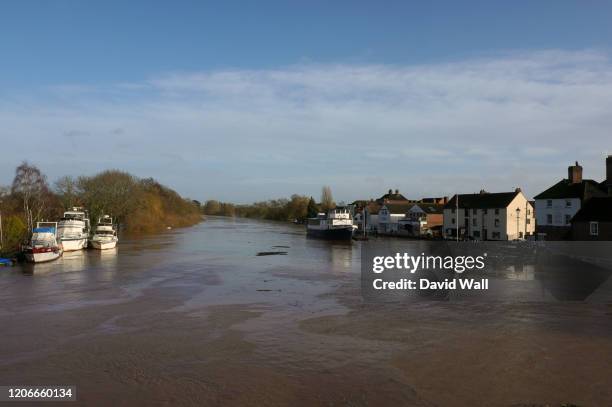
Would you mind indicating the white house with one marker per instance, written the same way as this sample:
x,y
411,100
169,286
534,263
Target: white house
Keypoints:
x,y
422,219
556,206
390,215
489,216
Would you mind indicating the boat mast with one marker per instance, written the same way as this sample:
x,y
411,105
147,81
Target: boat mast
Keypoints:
x,y
457,215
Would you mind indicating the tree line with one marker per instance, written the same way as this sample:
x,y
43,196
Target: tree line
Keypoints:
x,y
296,208
137,205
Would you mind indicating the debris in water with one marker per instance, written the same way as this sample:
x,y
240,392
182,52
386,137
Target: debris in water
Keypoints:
x,y
281,247
264,289
271,253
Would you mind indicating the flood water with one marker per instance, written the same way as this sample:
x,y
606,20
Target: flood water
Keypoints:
x,y
195,317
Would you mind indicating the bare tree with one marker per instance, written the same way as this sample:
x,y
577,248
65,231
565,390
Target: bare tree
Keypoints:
x,y
67,189
327,199
30,186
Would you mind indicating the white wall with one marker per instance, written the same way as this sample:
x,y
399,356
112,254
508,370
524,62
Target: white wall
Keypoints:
x,y
558,209
506,228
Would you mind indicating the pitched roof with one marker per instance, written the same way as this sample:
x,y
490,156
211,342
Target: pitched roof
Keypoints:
x,y
431,208
398,207
484,200
390,196
595,209
372,207
564,189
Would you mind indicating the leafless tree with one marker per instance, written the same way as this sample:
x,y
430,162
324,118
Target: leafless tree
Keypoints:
x,y
67,189
327,199
30,187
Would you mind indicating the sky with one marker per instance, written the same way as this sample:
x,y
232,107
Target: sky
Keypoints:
x,y
247,101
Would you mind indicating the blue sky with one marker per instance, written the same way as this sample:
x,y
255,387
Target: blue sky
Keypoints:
x,y
245,101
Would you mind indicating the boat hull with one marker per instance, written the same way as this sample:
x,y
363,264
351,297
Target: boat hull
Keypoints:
x,y
71,245
331,234
103,245
42,257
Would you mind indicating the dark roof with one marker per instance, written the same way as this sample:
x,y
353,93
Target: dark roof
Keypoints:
x,y
431,208
564,189
398,207
595,209
483,200
372,207
392,197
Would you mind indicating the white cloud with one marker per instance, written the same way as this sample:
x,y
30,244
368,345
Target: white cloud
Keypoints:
x,y
427,129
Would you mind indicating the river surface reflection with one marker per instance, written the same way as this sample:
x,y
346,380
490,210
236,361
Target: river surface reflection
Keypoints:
x,y
194,317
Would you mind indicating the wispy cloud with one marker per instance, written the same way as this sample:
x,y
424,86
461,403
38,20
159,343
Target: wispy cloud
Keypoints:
x,y
242,134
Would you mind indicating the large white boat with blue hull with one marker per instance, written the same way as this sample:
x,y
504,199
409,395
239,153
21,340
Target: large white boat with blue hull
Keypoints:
x,y
336,224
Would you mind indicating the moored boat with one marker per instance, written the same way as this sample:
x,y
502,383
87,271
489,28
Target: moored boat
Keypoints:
x,y
73,229
43,245
336,224
105,234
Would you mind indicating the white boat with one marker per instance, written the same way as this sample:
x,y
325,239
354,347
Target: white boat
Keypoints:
x,y
105,235
43,245
73,229
337,224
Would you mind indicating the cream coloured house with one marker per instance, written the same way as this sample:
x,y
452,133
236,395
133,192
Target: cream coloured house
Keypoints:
x,y
489,216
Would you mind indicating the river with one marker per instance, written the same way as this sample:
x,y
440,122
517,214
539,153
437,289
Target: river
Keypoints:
x,y
194,317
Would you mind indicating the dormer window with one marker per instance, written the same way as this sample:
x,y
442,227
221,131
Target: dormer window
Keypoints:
x,y
549,203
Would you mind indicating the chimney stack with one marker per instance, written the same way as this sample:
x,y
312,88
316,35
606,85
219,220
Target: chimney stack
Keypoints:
x,y
574,173
609,174
390,191
396,191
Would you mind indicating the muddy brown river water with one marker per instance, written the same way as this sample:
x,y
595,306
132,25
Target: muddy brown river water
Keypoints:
x,y
195,317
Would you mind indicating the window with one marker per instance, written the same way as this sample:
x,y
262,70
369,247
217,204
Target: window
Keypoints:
x,y
549,203
474,211
549,219
453,210
453,221
528,211
496,223
567,219
484,211
594,228
496,235
474,223
497,211
568,204
528,221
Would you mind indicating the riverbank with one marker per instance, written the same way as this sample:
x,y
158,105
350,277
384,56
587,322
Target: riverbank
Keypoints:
x,y
137,205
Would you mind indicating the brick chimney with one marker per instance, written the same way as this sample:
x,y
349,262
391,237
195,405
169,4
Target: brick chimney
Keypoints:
x,y
574,173
609,174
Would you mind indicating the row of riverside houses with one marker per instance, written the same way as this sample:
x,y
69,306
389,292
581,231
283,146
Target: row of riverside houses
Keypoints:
x,y
572,209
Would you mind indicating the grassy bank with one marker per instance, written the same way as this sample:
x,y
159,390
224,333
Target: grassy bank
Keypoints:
x,y
137,205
